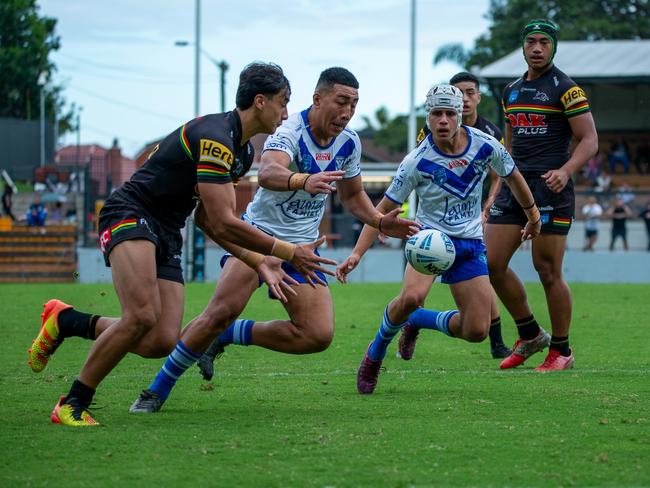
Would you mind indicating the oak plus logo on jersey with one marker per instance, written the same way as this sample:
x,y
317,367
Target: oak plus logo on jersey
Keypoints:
x,y
528,124
214,151
323,156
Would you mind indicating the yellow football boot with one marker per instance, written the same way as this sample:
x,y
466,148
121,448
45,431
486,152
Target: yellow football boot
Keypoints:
x,y
48,338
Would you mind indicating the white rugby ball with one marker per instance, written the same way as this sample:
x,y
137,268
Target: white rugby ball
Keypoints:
x,y
430,252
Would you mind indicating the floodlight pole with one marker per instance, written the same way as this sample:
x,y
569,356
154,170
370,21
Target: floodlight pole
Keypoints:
x,y
412,120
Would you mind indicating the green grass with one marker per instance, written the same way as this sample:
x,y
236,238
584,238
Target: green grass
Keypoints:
x,y
449,417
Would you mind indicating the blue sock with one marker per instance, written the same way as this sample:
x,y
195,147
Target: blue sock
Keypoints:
x,y
384,336
430,319
175,365
239,332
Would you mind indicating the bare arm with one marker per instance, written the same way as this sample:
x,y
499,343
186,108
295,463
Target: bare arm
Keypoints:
x,y
367,237
356,201
495,186
584,131
222,225
524,197
274,174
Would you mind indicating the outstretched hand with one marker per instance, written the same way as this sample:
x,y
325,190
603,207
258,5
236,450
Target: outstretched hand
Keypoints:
x,y
321,182
394,226
307,262
346,267
279,282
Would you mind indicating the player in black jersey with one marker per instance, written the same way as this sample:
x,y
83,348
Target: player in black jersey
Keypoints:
x,y
471,88
543,110
140,238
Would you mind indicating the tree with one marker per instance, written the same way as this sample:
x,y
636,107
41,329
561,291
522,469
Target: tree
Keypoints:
x,y
577,19
26,41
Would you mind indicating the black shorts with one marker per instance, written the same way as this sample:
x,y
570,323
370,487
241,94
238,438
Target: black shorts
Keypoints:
x,y
557,209
118,223
591,233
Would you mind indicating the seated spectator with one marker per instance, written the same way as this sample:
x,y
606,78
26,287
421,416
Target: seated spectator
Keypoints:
x,y
593,168
7,201
56,217
603,182
642,161
619,154
625,193
37,213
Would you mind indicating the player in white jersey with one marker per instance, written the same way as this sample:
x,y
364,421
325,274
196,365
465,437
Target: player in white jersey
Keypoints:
x,y
309,152
446,171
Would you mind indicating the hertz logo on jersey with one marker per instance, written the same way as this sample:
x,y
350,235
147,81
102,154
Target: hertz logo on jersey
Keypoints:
x,y
572,96
215,152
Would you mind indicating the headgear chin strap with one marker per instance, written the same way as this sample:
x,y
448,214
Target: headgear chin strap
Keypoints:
x,y
445,96
544,27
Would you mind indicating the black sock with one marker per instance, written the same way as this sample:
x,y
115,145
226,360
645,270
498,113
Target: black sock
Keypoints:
x,y
561,344
495,332
84,394
528,328
73,323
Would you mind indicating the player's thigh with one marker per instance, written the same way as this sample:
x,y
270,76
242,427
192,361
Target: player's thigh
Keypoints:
x,y
133,265
311,308
474,299
548,253
501,242
236,285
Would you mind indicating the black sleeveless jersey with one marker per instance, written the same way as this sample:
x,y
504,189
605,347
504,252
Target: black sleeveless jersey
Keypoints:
x,y
538,112
205,150
482,124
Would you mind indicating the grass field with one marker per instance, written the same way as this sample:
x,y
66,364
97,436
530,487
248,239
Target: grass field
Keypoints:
x,y
449,417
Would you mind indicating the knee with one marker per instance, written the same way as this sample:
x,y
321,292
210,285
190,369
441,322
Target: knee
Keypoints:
x,y
474,329
547,274
317,341
141,320
219,316
410,302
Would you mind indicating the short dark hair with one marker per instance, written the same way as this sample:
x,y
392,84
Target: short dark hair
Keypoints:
x,y
336,75
464,76
260,79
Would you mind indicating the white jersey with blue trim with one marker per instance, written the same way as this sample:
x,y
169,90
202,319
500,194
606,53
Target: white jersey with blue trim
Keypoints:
x,y
295,216
449,186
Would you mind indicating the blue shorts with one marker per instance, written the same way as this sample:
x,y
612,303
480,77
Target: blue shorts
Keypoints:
x,y
287,267
470,262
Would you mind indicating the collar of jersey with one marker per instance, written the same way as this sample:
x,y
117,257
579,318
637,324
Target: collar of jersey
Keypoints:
x,y
469,143
307,126
236,125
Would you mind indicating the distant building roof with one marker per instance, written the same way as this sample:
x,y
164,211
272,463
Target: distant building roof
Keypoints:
x,y
620,60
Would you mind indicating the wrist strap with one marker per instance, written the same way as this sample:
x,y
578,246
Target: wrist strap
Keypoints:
x,y
297,180
251,258
529,207
283,250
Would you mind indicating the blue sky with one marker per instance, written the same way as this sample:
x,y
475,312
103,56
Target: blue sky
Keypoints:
x,y
119,63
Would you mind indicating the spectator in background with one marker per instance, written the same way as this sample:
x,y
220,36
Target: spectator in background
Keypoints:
x,y
619,154
643,158
56,217
7,201
645,215
619,212
625,193
593,168
591,212
37,213
603,182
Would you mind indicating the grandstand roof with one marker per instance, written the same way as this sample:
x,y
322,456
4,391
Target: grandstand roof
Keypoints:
x,y
620,61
